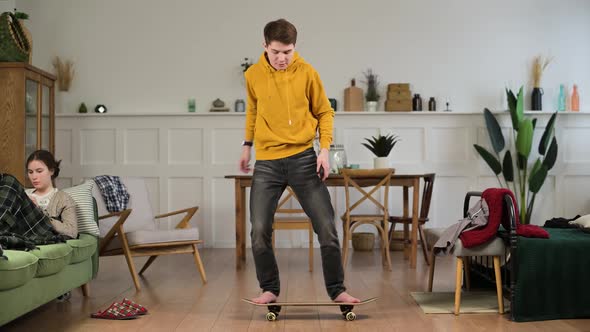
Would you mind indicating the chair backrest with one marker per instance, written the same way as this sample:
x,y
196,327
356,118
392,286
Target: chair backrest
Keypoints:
x,y
141,217
359,178
281,209
426,195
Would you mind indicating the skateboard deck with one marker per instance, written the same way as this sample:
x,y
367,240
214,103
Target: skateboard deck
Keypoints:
x,y
275,307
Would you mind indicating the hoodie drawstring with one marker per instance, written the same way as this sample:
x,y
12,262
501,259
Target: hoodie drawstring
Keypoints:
x,y
288,103
272,74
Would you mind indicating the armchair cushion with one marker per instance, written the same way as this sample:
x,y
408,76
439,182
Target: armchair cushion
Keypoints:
x,y
141,217
156,236
494,247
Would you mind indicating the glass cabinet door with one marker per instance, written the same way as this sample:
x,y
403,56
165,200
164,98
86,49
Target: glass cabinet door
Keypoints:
x,y
31,117
45,119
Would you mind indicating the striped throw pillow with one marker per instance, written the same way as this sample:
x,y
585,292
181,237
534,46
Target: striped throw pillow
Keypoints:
x,y
82,195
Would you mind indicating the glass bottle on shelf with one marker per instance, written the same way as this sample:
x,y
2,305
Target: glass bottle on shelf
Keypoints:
x,y
561,99
337,158
575,101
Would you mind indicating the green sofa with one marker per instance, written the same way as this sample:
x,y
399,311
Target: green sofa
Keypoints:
x,y
31,279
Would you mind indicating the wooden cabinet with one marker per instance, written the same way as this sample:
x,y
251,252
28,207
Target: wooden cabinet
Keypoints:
x,y
27,115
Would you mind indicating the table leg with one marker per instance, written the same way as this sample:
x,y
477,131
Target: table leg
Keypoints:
x,y
406,235
240,224
414,252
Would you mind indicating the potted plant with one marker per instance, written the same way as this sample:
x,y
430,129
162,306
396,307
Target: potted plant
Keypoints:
x,y
526,181
246,64
372,96
381,146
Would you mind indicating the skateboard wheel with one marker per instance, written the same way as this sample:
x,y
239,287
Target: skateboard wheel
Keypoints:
x,y
350,316
271,316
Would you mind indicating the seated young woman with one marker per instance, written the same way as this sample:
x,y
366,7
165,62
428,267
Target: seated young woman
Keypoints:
x,y
42,214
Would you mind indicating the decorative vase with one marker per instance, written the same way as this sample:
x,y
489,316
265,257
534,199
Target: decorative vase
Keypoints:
x,y
380,162
372,106
537,99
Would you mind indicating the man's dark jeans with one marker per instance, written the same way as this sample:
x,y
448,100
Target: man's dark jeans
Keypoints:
x,y
270,179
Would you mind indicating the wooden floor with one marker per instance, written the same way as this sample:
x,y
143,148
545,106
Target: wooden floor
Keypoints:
x,y
177,301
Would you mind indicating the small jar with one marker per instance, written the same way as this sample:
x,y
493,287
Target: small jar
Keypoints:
x,y
192,105
417,103
432,104
240,106
337,158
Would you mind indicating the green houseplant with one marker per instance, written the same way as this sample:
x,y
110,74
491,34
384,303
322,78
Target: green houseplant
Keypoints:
x,y
526,180
381,146
372,96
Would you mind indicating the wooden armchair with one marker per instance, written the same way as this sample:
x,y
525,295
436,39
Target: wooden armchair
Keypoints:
x,y
133,232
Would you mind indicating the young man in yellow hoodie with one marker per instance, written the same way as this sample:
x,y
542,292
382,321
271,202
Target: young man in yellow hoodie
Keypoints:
x,y
286,106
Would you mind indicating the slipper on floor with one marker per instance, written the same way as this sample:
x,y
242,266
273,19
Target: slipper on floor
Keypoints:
x,y
141,310
116,311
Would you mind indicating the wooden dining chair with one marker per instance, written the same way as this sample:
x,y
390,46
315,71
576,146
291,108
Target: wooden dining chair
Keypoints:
x,y
357,179
422,218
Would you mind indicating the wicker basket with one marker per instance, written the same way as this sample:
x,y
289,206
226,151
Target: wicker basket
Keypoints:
x,y
397,243
363,241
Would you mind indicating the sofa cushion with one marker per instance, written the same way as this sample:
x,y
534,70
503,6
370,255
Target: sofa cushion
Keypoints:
x,y
52,258
82,248
18,269
82,195
583,221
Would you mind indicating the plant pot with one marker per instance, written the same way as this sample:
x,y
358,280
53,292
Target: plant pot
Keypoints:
x,y
372,106
363,241
537,99
381,162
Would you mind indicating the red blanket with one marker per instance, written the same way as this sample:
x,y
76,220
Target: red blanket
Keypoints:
x,y
499,214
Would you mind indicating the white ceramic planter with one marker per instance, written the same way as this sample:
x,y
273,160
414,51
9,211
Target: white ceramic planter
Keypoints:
x,y
372,106
381,162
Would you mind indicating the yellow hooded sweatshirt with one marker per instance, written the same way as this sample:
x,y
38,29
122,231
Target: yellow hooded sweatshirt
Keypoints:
x,y
285,108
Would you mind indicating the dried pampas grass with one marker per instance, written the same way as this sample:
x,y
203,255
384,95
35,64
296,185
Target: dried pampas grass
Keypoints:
x,y
65,73
539,65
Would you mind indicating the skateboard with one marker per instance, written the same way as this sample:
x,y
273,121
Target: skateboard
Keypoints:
x,y
275,307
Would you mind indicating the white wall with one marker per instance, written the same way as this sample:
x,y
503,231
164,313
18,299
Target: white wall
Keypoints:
x,y
151,56
184,159
6,6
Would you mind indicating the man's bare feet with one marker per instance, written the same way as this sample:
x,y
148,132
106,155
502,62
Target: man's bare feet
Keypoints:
x,y
266,297
344,297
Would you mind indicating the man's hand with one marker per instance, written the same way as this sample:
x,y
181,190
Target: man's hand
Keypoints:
x,y
323,163
245,159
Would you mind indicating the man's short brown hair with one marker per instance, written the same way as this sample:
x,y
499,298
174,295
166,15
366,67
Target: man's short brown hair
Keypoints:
x,y
280,30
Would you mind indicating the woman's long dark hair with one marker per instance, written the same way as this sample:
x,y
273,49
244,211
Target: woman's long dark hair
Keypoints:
x,y
48,159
